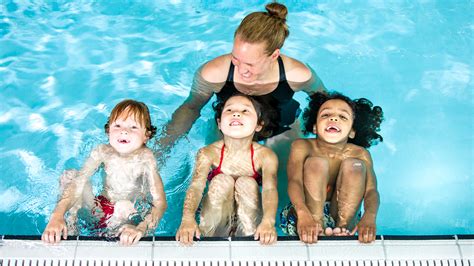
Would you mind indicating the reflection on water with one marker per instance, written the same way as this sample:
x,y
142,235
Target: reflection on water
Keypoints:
x,y
63,66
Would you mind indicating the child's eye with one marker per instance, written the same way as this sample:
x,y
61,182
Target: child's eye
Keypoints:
x,y
245,111
324,115
134,127
343,117
117,126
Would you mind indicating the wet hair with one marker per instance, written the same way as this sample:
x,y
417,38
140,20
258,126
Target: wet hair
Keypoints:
x,y
269,27
367,118
266,115
138,110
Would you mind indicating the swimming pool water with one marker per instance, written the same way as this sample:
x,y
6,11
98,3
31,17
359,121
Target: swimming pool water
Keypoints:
x,y
65,64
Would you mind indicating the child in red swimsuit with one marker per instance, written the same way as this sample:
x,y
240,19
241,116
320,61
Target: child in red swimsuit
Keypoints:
x,y
235,167
131,173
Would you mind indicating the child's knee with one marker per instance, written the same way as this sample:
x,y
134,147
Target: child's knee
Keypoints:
x,y
353,167
316,164
221,185
246,187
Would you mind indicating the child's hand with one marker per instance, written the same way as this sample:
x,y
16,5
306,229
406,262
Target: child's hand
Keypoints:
x,y
186,232
129,235
308,228
266,232
56,226
366,230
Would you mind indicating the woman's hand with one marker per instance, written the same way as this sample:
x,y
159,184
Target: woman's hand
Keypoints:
x,y
56,226
130,235
187,230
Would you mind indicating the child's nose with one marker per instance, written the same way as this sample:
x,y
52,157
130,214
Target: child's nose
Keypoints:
x,y
334,118
236,114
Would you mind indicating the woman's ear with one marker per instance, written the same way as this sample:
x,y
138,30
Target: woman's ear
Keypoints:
x,y
275,54
352,134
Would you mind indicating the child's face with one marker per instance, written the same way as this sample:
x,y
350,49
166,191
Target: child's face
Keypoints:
x,y
126,135
334,121
239,118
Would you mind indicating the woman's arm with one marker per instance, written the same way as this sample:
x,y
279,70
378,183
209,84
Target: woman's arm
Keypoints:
x,y
186,114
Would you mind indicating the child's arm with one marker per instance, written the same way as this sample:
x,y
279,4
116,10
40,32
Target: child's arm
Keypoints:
x,y
71,194
366,227
308,228
189,228
131,234
266,231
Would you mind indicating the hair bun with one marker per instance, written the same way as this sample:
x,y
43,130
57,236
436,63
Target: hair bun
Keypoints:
x,y
277,10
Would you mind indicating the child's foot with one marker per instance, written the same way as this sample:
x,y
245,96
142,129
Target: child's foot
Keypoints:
x,y
328,231
341,231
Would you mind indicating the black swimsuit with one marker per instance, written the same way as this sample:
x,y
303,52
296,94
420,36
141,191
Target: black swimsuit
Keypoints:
x,y
280,98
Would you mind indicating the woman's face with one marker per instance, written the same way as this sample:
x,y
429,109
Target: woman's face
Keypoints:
x,y
250,60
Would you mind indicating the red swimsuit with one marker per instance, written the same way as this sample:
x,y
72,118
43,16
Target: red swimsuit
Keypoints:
x,y
217,170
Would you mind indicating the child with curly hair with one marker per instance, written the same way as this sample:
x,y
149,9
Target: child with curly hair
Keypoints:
x,y
235,167
329,176
131,176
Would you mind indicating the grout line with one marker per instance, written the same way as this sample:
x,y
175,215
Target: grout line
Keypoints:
x,y
75,248
307,252
459,247
153,248
384,248
230,248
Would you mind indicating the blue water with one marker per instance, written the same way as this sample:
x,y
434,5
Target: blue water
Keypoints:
x,y
64,65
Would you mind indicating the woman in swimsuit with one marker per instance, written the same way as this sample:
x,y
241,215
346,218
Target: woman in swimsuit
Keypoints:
x,y
235,167
254,67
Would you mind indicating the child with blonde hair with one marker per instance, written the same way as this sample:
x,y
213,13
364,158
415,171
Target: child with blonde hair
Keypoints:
x,y
235,167
131,176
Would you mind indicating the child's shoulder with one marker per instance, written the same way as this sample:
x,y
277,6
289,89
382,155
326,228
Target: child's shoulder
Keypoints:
x,y
302,143
212,150
357,151
258,148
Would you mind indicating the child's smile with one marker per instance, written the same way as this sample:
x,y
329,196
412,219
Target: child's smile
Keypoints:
x,y
127,135
334,121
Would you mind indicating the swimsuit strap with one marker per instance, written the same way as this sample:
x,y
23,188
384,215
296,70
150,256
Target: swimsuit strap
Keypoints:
x,y
255,173
230,75
281,69
221,159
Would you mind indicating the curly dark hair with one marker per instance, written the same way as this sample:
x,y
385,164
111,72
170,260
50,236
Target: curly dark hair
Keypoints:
x,y
265,113
366,122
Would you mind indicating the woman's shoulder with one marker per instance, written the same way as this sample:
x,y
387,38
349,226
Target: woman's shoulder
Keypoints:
x,y
295,70
216,70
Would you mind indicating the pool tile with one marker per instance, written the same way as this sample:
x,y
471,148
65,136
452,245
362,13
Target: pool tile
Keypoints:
x,y
281,251
199,251
37,249
346,250
99,249
417,250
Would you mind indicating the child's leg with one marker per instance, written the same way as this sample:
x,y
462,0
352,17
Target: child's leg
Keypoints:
x,y
218,207
350,187
248,206
315,179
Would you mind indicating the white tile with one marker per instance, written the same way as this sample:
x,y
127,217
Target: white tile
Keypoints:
x,y
17,249
102,249
346,250
421,249
467,248
200,250
282,250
